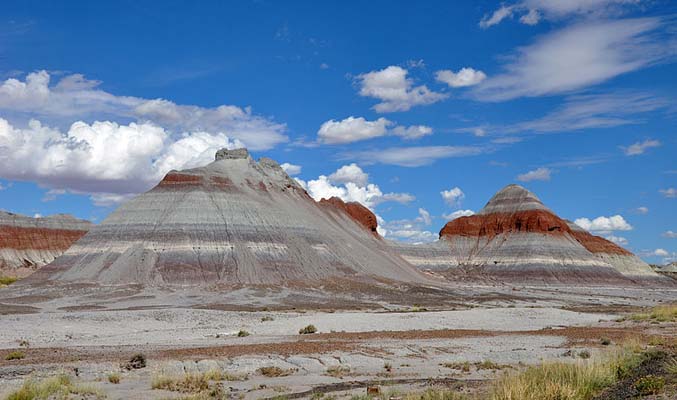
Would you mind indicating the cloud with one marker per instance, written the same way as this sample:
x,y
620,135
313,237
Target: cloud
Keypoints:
x,y
412,132
539,174
642,210
414,156
424,216
604,224
354,129
2,187
410,230
533,11
350,173
577,57
109,199
102,157
76,98
496,17
349,184
602,110
291,169
453,196
670,234
617,239
640,147
660,253
458,214
395,90
670,193
464,77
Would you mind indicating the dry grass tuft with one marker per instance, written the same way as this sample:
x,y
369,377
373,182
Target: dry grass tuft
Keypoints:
x,y
273,372
571,381
193,383
338,371
114,378
58,387
664,313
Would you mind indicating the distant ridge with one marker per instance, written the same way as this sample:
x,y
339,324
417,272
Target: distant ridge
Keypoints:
x,y
27,243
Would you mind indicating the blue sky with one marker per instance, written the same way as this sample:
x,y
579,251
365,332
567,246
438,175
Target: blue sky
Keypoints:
x,y
419,111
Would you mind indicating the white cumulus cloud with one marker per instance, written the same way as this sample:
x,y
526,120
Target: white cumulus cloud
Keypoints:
x,y
291,169
458,214
102,157
349,183
453,196
670,234
395,90
464,77
539,174
350,173
617,239
76,98
354,129
412,132
660,253
604,224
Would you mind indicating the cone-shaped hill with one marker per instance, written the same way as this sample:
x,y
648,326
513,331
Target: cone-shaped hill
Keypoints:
x,y
234,221
515,237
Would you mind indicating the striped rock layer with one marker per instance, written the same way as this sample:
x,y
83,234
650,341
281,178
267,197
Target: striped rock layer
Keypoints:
x,y
27,244
232,222
516,238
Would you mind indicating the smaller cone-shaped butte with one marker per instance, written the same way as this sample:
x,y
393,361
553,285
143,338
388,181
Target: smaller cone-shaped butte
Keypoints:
x,y
515,237
27,244
232,222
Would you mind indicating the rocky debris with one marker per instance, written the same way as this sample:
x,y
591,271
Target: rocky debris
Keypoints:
x,y
27,244
361,214
515,237
233,222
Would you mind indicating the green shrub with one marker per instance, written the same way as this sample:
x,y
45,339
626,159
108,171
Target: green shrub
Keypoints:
x,y
242,333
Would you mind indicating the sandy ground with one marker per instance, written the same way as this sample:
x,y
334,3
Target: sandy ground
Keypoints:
x,y
402,349
374,338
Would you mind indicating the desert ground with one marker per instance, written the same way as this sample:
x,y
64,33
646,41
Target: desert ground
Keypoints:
x,y
254,350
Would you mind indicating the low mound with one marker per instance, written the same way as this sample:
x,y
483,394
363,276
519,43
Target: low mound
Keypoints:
x,y
27,244
232,222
